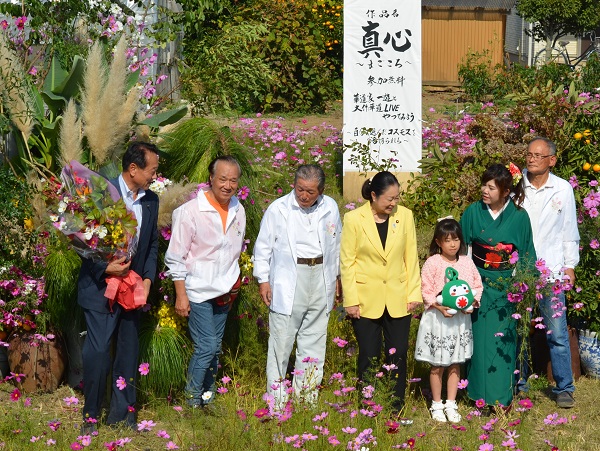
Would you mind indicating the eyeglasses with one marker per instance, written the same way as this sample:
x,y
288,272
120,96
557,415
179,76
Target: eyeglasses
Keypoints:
x,y
536,156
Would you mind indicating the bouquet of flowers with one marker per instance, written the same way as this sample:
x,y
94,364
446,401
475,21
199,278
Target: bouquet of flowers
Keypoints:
x,y
88,210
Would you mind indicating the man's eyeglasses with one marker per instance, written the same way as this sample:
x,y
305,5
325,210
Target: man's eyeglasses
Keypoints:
x,y
536,156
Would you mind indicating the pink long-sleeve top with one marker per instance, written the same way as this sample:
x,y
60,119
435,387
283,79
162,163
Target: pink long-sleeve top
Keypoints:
x,y
433,277
200,253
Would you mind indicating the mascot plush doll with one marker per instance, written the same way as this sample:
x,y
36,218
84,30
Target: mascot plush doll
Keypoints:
x,y
456,294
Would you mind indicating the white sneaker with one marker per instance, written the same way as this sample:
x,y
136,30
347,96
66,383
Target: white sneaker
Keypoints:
x,y
451,411
437,411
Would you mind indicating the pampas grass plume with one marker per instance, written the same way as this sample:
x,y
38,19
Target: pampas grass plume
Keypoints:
x,y
70,135
96,122
175,196
14,91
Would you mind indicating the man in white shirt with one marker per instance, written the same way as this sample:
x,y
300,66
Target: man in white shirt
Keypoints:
x,y
550,202
296,263
207,236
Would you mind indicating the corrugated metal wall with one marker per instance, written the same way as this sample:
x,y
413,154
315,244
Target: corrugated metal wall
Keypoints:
x,y
449,35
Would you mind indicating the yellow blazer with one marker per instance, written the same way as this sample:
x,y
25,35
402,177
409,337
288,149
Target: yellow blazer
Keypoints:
x,y
374,278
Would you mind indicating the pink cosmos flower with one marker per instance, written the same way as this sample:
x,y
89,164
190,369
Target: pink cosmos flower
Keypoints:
x,y
340,342
462,384
225,379
163,434
121,384
260,413
144,369
526,403
594,244
145,425
76,446
310,360
222,390
15,395
480,403
171,445
4,24
243,193
20,22
392,351
166,232
177,408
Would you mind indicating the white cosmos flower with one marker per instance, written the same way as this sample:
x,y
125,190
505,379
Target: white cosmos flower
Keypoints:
x,y
89,233
101,231
62,206
207,395
54,218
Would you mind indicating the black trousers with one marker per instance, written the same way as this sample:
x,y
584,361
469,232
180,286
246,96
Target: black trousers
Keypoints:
x,y
368,333
102,328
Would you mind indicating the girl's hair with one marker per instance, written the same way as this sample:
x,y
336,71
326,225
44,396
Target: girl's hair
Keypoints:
x,y
444,228
378,184
504,181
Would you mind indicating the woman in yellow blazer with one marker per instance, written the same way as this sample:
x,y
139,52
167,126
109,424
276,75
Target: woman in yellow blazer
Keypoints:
x,y
381,279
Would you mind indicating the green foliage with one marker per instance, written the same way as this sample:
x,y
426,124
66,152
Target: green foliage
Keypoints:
x,y
590,74
294,49
54,25
554,19
475,75
167,351
225,74
61,275
17,238
265,55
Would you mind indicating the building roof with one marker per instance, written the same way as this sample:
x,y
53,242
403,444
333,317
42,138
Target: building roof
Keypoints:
x,y
504,5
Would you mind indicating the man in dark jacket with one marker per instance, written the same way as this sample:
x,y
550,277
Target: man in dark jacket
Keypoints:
x,y
140,163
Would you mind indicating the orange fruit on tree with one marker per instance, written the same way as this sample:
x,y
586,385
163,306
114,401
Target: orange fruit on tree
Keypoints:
x,y
586,166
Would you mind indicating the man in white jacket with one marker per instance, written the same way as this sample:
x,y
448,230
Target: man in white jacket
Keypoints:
x,y
296,263
551,206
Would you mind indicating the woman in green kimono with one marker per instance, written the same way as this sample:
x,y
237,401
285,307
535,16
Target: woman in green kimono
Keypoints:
x,y
495,228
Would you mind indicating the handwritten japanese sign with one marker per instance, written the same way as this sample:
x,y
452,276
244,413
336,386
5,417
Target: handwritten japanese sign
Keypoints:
x,y
382,79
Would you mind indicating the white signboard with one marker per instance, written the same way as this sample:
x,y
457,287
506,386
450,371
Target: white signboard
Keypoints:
x,y
382,80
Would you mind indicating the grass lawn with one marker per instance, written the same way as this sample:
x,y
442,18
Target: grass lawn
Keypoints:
x,y
233,423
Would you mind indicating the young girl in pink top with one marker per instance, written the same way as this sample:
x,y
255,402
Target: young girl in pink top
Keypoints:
x,y
445,340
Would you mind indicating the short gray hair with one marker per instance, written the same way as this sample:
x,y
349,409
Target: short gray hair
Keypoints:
x,y
549,143
312,172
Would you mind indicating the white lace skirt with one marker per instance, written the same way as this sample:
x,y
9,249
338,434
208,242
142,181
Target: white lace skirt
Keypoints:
x,y
444,341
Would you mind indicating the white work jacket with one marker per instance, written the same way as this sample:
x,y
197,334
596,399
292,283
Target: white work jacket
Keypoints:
x,y
275,254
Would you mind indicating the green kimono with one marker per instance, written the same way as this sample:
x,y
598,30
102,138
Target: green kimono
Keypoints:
x,y
491,369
